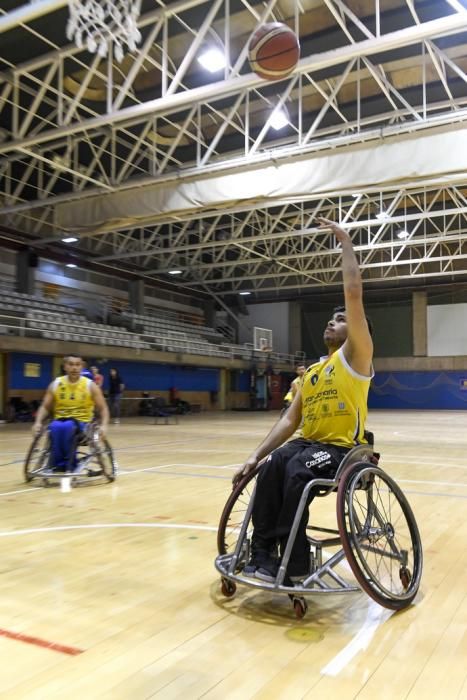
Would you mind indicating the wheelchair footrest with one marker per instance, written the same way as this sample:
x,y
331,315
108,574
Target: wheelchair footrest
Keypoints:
x,y
323,580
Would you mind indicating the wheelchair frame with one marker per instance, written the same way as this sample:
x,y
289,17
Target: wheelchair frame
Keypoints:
x,y
99,451
357,472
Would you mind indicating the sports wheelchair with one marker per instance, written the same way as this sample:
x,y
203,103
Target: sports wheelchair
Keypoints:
x,y
94,457
377,534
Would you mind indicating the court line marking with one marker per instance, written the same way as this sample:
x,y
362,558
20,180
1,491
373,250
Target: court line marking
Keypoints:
x,y
39,642
108,526
11,493
376,616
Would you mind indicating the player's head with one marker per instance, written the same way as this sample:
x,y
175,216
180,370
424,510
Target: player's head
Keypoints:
x,y
73,364
95,370
335,333
113,372
300,369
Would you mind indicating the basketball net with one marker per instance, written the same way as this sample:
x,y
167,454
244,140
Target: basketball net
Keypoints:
x,y
94,24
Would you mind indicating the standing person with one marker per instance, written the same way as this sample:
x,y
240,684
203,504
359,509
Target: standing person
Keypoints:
x,y
295,385
85,371
116,387
72,400
97,376
332,401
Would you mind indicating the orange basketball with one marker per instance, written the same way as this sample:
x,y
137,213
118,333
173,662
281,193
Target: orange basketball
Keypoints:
x,y
273,51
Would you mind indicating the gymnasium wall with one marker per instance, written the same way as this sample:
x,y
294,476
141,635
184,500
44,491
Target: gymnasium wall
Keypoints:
x,y
419,390
447,329
392,329
29,374
274,316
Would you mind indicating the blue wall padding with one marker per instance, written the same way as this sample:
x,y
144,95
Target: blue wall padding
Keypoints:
x,y
144,376
418,390
17,380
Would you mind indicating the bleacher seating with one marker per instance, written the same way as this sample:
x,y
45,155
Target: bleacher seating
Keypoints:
x,y
23,314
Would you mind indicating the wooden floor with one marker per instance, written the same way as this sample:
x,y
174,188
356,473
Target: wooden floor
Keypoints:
x,y
109,591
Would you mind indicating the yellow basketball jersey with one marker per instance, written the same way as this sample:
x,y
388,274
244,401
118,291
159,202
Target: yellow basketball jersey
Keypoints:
x,y
73,400
290,395
334,402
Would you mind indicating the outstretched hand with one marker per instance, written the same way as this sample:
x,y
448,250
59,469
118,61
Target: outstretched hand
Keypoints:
x,y
341,235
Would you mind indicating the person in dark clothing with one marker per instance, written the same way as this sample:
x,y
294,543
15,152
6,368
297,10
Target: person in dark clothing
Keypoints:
x,y
331,406
116,387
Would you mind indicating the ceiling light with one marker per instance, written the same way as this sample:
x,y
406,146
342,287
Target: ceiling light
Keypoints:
x,y
356,194
457,5
212,60
175,272
244,294
278,119
403,234
382,215
70,239
70,265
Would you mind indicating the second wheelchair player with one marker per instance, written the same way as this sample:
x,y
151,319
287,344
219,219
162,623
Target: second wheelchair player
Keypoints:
x,y
72,400
332,402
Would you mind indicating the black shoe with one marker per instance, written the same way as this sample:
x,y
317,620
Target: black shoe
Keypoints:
x,y
268,572
259,559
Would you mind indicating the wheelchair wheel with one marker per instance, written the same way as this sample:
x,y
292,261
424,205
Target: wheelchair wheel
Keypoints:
x,y
38,456
106,460
379,535
234,513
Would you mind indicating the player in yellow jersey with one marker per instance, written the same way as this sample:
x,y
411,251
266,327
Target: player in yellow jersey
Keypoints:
x,y
294,386
72,401
332,403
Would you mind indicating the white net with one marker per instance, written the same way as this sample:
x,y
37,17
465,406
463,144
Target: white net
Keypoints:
x,y
262,339
94,24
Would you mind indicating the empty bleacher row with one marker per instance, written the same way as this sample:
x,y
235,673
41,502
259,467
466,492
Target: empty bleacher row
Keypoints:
x,y
149,324
27,315
77,328
16,301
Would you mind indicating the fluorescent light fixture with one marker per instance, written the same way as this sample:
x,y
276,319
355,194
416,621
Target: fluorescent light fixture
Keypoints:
x,y
278,119
244,294
356,194
212,60
382,215
70,239
456,5
70,265
175,272
403,234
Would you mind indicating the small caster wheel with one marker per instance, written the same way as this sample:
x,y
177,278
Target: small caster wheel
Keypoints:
x,y
405,576
300,606
228,588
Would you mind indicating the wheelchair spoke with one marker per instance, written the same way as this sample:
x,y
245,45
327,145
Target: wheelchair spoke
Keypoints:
x,y
379,535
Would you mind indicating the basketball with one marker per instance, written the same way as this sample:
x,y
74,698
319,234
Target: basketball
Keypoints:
x,y
273,51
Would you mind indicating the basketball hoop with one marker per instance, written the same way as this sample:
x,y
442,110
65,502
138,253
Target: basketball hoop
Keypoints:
x,y
95,23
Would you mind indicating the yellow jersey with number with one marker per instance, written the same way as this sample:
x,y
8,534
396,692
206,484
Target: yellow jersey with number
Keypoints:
x,y
73,400
334,402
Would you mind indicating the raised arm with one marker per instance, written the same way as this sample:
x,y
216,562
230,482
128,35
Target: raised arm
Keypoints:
x,y
282,430
358,348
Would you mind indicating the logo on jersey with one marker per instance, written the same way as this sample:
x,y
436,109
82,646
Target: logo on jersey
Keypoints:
x,y
329,370
314,379
341,405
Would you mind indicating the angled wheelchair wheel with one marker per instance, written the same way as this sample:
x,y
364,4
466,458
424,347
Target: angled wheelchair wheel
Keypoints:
x,y
234,513
38,456
95,455
379,535
106,460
